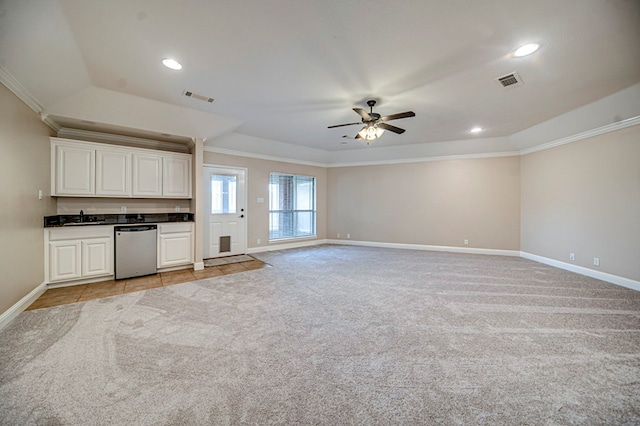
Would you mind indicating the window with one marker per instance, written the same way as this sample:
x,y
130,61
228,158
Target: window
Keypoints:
x,y
292,206
223,194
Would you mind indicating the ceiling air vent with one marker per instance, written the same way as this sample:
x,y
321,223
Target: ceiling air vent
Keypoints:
x,y
510,80
193,95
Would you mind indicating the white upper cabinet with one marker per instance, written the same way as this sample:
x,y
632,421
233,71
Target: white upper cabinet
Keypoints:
x,y
147,175
113,173
89,169
73,170
176,177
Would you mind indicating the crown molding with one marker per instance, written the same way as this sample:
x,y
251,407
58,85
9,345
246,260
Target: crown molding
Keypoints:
x,y
426,159
92,136
584,135
50,122
18,89
263,157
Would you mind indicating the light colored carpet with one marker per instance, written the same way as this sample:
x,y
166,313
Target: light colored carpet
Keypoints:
x,y
227,260
336,335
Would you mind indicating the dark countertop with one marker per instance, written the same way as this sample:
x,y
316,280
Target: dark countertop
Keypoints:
x,y
115,219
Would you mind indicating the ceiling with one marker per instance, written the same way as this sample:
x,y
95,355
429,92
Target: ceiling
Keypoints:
x,y
283,70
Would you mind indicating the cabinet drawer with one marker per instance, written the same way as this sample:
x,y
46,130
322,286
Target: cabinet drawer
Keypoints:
x,y
170,228
80,232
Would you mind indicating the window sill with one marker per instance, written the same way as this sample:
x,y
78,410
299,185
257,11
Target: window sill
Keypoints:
x,y
279,240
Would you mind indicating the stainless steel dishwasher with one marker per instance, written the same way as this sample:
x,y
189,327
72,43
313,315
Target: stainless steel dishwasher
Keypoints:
x,y
136,251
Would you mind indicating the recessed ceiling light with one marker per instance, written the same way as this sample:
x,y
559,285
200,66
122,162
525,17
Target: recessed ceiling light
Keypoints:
x,y
172,63
475,130
525,50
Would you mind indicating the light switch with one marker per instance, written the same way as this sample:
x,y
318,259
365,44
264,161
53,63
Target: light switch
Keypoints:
x,y
260,200
40,194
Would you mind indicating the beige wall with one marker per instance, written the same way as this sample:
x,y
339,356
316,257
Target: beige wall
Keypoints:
x,y
73,205
584,198
431,203
24,169
258,187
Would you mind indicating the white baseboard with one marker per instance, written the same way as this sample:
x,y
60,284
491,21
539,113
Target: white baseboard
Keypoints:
x,y
198,266
297,244
21,305
82,281
469,250
603,276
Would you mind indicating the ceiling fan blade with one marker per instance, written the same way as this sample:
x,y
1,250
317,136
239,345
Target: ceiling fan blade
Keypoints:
x,y
362,113
391,128
341,125
358,136
398,115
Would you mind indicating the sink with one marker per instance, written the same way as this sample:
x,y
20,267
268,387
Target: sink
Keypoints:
x,y
82,223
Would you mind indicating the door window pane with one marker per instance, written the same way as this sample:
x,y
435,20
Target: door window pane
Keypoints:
x,y
223,194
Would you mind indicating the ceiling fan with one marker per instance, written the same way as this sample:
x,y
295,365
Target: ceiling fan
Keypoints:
x,y
374,124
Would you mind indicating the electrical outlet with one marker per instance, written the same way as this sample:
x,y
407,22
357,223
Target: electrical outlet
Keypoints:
x,y
596,261
40,194
572,256
466,242
338,235
348,236
177,208
258,241
123,209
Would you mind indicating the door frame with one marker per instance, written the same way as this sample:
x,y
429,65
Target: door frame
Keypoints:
x,y
205,166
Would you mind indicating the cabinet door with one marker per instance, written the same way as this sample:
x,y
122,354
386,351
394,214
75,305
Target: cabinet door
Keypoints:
x,y
113,173
64,260
147,175
175,249
176,177
74,170
96,257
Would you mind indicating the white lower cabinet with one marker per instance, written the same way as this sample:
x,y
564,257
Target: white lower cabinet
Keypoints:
x,y
64,260
175,244
81,253
75,254
96,257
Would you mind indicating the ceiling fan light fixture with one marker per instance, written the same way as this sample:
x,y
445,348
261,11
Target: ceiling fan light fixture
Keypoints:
x,y
371,132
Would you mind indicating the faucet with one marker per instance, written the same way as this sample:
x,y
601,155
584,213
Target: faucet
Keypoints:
x,y
81,216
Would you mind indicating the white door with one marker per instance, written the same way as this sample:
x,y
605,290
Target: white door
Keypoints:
x,y
224,211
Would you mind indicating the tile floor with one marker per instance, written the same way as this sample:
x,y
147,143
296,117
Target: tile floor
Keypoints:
x,y
84,292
